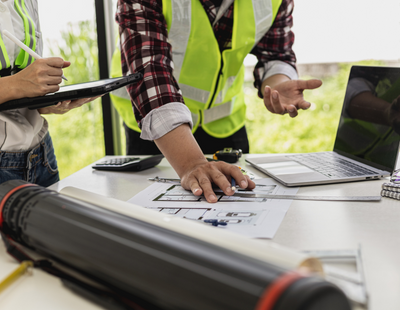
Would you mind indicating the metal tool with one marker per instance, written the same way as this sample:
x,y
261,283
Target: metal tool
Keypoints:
x,y
164,180
322,198
292,197
228,155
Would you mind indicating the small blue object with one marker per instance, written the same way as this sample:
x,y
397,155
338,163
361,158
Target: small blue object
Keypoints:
x,y
233,183
215,222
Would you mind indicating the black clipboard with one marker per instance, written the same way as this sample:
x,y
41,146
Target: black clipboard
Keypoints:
x,y
72,92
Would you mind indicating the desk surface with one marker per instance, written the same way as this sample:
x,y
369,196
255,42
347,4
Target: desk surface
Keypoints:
x,y
308,225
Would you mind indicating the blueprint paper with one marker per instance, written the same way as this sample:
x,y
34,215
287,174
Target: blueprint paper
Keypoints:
x,y
246,212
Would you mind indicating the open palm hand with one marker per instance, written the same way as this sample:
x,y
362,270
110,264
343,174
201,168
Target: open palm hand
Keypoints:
x,y
287,97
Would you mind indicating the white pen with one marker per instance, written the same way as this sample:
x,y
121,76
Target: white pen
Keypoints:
x,y
24,47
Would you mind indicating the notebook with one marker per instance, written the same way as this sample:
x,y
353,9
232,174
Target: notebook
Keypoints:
x,y
367,138
72,92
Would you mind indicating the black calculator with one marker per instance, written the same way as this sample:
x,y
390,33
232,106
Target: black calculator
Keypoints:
x,y
129,163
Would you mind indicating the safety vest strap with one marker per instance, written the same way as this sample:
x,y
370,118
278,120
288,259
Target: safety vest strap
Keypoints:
x,y
179,31
4,60
24,59
264,16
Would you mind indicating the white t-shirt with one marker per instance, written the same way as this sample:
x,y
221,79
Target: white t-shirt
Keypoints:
x,y
21,129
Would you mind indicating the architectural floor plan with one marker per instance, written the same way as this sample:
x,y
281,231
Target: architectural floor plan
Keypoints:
x,y
246,212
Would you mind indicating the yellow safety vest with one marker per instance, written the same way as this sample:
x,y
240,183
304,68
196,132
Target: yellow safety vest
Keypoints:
x,y
211,82
27,13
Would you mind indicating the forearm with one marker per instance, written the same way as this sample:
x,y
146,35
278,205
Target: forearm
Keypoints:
x,y
181,149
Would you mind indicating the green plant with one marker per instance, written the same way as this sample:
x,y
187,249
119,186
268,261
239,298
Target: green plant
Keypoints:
x,y
312,130
78,135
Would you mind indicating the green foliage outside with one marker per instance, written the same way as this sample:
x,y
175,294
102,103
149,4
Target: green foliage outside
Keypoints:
x,y
78,135
313,130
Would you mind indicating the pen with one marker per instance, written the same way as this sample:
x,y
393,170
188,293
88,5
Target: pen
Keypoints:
x,y
24,47
233,184
17,273
215,222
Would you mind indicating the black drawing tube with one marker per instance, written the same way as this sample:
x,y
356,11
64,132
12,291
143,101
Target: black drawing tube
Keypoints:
x,y
165,268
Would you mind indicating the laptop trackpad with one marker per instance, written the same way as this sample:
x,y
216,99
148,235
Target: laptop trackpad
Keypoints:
x,y
286,167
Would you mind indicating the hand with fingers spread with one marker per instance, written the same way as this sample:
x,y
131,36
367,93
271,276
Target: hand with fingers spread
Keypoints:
x,y
201,179
287,96
196,173
65,106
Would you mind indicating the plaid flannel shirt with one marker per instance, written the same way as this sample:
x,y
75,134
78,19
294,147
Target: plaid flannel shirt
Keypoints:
x,y
158,102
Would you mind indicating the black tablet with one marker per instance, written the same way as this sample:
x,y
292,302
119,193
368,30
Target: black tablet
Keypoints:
x,y
72,92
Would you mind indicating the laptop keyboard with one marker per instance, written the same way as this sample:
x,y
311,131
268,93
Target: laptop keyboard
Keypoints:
x,y
331,165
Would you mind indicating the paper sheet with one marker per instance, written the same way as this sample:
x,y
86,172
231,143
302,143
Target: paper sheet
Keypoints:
x,y
246,212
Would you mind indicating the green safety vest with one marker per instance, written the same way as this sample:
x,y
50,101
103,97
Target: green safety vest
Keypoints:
x,y
29,16
211,82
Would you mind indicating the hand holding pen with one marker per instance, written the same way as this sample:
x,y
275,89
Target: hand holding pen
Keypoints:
x,y
26,48
41,77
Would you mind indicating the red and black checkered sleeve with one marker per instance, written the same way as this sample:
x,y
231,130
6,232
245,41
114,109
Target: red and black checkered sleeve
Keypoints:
x,y
276,44
144,48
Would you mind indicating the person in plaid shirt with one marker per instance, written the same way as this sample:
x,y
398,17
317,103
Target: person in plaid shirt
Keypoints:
x,y
158,103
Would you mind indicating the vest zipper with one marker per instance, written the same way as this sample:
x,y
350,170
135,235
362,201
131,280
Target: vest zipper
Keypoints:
x,y
216,84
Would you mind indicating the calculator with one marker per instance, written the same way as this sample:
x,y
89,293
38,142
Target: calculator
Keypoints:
x,y
129,163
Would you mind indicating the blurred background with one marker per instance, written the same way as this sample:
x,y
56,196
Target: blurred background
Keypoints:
x,y
330,37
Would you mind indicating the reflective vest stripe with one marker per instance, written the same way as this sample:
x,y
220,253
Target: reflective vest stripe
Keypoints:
x,y
221,94
203,95
24,58
122,93
218,112
4,60
179,32
194,93
263,17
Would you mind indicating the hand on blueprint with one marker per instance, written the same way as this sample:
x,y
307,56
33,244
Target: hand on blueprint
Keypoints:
x,y
287,96
196,173
201,178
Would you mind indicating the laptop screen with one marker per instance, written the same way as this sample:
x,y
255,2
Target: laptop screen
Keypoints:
x,y
369,126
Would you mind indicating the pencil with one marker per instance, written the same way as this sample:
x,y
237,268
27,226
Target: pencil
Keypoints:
x,y
16,274
25,48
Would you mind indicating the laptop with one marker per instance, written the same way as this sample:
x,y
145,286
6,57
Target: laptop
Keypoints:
x,y
367,138
72,92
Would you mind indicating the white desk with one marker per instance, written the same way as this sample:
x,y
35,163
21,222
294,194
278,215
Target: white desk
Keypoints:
x,y
308,225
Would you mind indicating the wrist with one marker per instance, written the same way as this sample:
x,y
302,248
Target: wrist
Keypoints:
x,y
274,80
8,89
181,150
